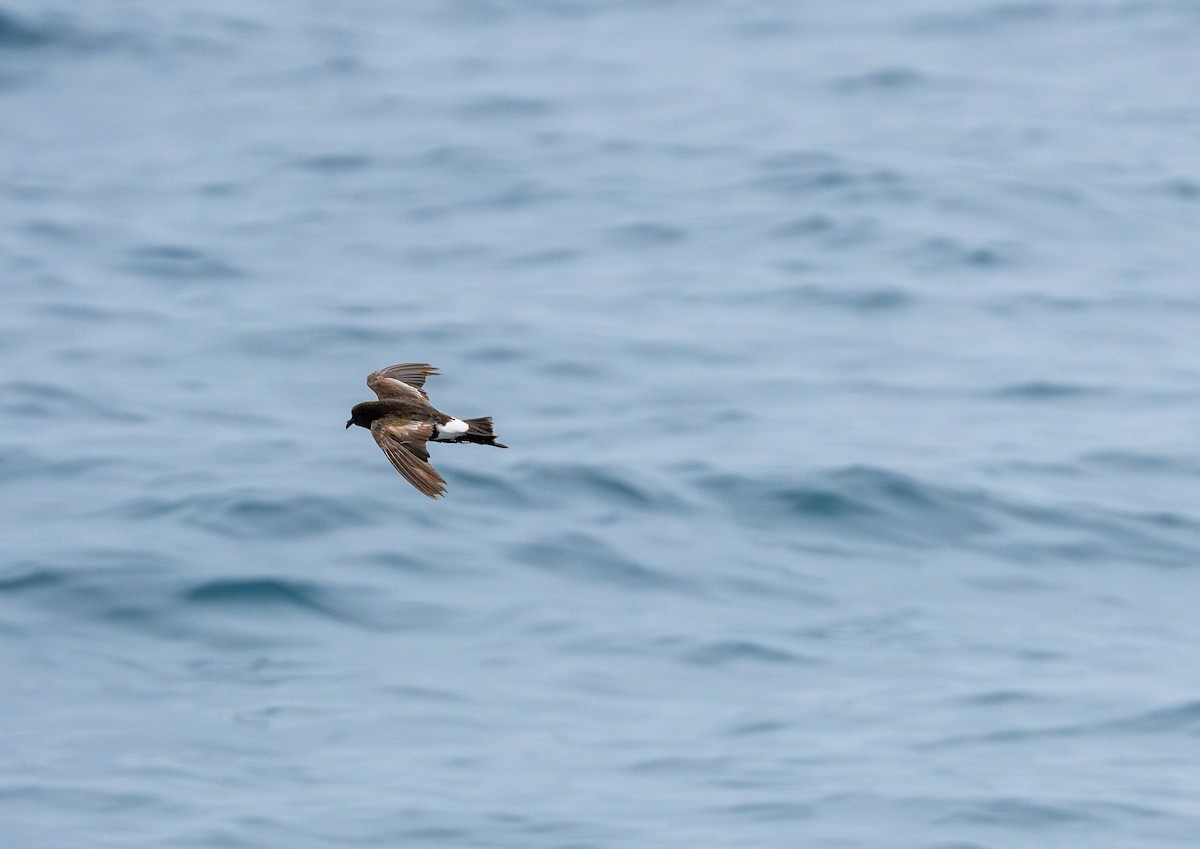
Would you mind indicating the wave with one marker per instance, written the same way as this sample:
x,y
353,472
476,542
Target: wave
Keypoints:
x,y
865,299
258,592
726,652
590,558
251,598
180,263
610,486
251,515
1047,390
151,594
1172,720
116,586
20,33
19,464
863,507
884,505
290,342
30,400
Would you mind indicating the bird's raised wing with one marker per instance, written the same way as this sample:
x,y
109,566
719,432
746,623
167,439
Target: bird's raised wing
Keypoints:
x,y
400,381
403,441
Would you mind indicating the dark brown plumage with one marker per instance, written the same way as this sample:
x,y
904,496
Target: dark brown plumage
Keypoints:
x,y
403,421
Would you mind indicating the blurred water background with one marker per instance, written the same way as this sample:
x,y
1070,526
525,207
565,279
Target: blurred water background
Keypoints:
x,y
848,356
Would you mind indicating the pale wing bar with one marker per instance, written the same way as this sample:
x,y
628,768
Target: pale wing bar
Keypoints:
x,y
403,442
401,380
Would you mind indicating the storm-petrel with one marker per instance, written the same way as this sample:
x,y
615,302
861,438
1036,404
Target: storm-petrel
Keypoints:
x,y
403,420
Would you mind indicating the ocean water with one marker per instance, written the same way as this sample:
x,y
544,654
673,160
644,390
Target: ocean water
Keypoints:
x,y
847,353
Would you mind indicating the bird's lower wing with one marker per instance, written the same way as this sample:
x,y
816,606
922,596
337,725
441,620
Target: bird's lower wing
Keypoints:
x,y
403,442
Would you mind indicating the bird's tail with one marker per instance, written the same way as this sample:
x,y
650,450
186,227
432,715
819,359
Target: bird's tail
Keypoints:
x,y
480,431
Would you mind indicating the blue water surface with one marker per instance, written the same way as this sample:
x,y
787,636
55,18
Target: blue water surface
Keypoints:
x,y
847,353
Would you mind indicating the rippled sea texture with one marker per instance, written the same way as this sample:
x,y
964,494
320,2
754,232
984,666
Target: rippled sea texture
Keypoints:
x,y
847,353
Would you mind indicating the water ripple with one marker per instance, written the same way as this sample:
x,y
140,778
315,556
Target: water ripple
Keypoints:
x,y
867,299
583,556
1181,718
725,652
362,608
1045,390
883,504
288,342
47,401
259,592
1015,812
141,591
647,234
611,486
123,586
870,506
178,263
809,174
335,163
889,80
498,107
252,515
17,33
17,464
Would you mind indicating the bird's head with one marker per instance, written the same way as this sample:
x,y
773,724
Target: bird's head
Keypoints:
x,y
360,414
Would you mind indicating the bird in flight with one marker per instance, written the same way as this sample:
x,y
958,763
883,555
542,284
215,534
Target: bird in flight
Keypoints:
x,y
403,421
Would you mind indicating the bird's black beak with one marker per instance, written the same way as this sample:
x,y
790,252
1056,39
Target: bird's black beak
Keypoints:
x,y
349,423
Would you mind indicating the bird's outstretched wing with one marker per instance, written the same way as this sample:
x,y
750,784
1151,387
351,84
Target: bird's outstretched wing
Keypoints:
x,y
400,381
403,441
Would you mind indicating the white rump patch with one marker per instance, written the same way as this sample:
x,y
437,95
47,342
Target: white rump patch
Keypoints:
x,y
451,429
